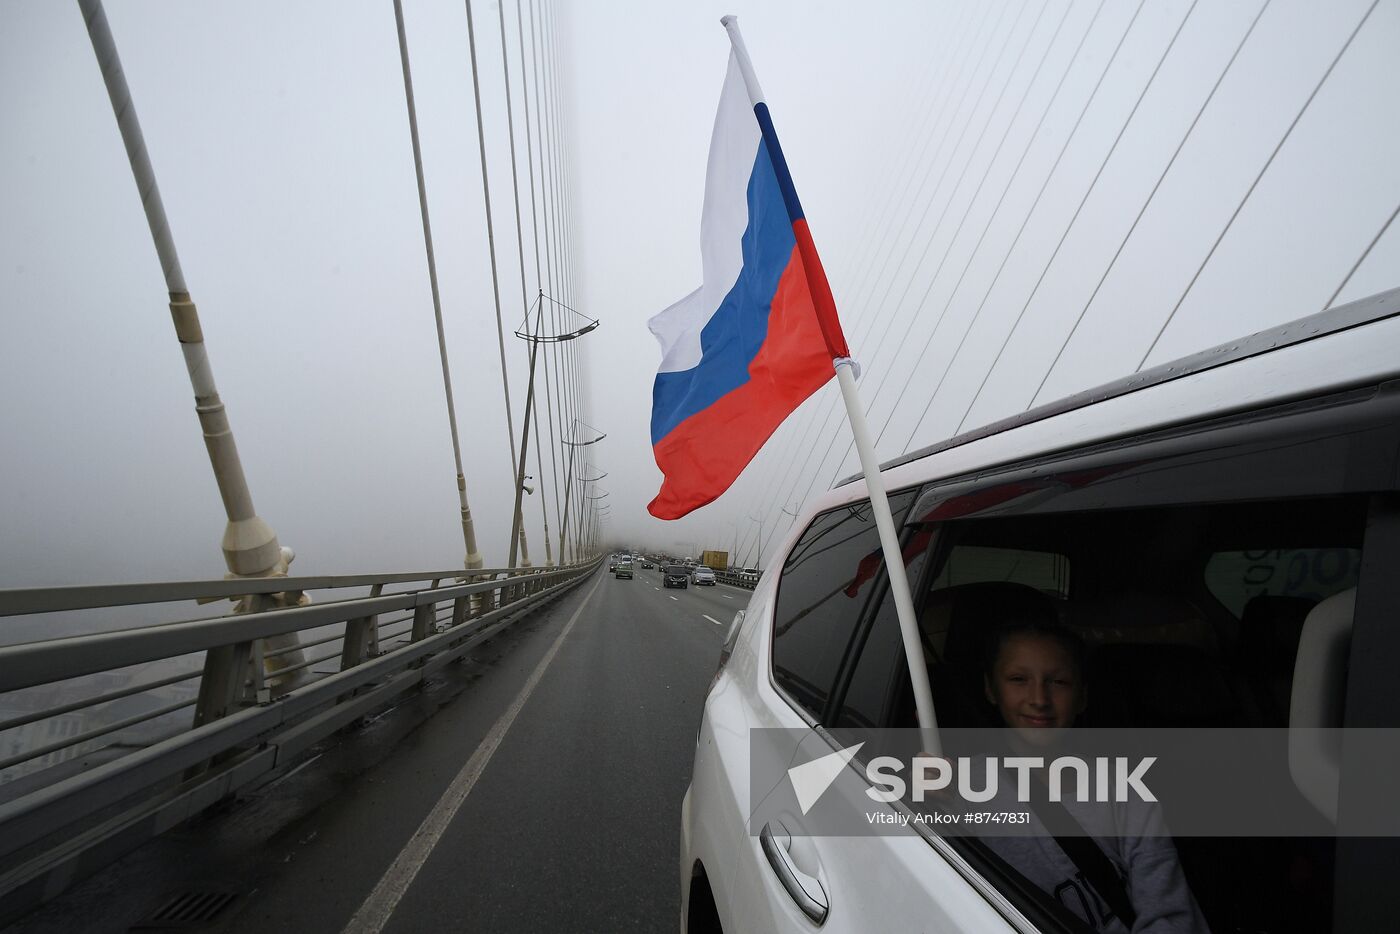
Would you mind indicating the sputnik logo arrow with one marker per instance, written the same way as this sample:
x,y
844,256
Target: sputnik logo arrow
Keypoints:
x,y
811,779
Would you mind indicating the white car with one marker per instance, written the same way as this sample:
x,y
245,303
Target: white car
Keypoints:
x,y
1218,530
703,575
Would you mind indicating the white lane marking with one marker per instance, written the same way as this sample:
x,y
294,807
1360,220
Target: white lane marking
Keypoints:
x,y
656,588
712,619
673,598
294,771
374,913
726,596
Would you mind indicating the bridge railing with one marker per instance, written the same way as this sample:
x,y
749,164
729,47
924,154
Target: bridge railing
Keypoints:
x,y
747,581
110,737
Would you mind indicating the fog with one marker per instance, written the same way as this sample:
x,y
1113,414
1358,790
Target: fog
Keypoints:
x,y
1014,201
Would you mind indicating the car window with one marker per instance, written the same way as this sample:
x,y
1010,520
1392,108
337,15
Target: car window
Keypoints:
x,y
826,581
1046,571
876,686
1236,577
1139,578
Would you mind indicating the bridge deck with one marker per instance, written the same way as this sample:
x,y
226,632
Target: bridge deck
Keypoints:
x,y
572,824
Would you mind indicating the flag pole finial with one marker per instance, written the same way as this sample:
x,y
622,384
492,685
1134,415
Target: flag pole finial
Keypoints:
x,y
741,55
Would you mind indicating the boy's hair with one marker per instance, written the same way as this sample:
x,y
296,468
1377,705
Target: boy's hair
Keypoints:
x,y
1066,638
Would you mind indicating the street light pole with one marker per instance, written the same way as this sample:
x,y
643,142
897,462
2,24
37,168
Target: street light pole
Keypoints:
x,y
517,527
564,521
535,337
593,506
568,488
758,560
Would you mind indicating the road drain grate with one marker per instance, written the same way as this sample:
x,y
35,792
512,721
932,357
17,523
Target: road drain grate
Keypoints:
x,y
188,910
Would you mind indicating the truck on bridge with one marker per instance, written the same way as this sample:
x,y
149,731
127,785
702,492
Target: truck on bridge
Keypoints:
x,y
715,560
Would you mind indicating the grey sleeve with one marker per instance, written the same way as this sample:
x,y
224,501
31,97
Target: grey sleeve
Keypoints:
x,y
1158,890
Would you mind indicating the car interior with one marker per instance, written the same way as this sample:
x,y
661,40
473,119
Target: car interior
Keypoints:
x,y
1192,617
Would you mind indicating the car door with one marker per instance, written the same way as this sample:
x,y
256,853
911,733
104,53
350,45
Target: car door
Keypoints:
x,y
794,877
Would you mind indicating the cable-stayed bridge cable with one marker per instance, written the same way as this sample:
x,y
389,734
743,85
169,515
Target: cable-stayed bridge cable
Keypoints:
x,y
796,437
1064,235
823,418
531,350
908,156
539,285
473,558
1254,184
832,431
491,237
1220,79
1069,138
991,217
1362,258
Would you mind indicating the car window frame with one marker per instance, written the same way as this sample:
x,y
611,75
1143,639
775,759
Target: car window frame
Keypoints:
x,y
1371,701
1368,427
879,584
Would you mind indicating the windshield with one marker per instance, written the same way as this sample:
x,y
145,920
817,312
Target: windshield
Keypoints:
x,y
675,569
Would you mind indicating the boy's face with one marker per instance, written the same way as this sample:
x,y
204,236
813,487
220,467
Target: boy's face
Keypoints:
x,y
1036,687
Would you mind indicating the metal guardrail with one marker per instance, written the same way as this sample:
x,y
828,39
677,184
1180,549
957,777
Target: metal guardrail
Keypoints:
x,y
247,710
736,580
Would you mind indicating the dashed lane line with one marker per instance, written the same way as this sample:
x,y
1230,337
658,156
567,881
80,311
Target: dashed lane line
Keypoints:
x,y
673,598
712,619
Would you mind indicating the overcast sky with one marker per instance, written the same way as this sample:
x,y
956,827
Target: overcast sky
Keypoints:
x,y
973,174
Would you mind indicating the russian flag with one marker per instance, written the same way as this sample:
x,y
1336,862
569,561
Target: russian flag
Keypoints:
x,y
741,352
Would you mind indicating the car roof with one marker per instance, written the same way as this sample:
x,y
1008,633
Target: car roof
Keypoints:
x,y
1344,347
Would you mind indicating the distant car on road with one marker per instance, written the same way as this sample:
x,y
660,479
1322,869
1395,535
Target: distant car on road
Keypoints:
x,y
647,565
612,563
676,575
705,576
624,570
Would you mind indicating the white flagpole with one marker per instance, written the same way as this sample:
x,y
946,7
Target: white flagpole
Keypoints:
x,y
894,557
846,370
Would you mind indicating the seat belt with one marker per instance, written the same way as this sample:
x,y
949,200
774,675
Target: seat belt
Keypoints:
x,y
1087,856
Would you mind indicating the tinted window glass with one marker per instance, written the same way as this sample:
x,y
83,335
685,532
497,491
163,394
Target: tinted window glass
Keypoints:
x,y
826,582
975,564
1157,655
1236,577
881,675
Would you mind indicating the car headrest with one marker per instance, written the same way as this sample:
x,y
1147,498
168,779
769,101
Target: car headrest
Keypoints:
x,y
1132,616
1270,627
1157,685
1319,700
973,613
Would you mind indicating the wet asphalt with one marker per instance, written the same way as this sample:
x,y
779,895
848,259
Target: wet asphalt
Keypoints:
x,y
573,825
